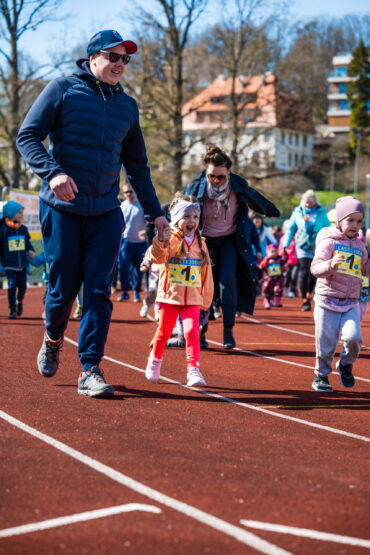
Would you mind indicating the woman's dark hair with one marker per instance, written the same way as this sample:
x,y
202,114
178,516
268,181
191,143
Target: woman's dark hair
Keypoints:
x,y
216,156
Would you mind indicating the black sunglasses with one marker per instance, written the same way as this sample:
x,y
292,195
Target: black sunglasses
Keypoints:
x,y
114,57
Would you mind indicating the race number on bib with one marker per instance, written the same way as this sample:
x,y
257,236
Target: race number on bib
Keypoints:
x,y
185,272
17,243
352,263
273,270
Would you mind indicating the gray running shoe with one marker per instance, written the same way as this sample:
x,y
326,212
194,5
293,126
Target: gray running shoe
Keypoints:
x,y
345,373
321,384
48,357
176,342
93,384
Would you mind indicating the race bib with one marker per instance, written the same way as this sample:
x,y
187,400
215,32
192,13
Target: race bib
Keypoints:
x,y
17,243
273,270
185,272
365,282
352,264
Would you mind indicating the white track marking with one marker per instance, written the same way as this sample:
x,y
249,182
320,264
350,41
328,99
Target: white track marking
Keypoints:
x,y
218,524
285,329
78,517
237,403
276,359
305,533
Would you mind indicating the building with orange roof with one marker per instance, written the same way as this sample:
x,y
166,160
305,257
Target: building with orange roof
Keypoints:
x,y
275,129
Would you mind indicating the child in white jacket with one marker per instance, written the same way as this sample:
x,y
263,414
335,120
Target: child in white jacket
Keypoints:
x,y
340,261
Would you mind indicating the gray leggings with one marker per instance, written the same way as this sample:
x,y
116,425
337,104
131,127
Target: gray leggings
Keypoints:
x,y
328,325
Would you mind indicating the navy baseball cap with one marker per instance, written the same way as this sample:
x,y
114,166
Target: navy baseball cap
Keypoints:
x,y
109,39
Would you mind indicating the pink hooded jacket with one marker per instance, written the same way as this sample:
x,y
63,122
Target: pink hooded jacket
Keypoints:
x,y
331,283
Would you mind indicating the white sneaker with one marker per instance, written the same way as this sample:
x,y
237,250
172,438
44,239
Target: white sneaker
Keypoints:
x,y
144,311
153,369
217,313
195,377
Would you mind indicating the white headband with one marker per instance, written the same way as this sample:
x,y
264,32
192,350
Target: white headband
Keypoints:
x,y
183,208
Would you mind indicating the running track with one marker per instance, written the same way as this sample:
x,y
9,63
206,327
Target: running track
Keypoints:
x,y
256,463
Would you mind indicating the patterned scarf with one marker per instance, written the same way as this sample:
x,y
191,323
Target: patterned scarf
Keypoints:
x,y
220,194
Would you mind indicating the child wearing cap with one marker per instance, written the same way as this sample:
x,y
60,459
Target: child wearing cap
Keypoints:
x,y
273,266
15,245
185,286
339,263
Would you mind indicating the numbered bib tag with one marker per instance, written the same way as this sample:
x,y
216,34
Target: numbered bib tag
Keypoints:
x,y
352,264
185,272
17,243
365,290
365,282
273,270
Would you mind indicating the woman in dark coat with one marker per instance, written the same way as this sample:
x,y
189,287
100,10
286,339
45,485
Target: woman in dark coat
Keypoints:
x,y
224,198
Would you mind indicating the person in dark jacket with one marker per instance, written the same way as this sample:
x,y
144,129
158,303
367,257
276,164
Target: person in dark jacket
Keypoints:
x,y
93,128
15,246
224,198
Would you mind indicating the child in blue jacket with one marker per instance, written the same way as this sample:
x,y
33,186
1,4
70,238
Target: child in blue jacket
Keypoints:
x,y
15,245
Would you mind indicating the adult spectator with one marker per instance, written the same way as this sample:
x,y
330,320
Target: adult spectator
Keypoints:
x,y
133,244
93,128
224,198
305,222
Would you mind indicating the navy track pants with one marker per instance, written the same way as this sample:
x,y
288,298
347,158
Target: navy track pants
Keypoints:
x,y
81,249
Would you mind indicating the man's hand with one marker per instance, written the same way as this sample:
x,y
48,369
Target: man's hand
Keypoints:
x,y
163,229
63,187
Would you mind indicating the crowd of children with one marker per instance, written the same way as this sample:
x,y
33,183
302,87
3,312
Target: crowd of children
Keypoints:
x,y
180,284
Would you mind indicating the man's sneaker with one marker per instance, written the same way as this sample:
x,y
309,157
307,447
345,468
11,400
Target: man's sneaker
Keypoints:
x,y
345,373
321,383
306,305
12,315
153,369
229,341
124,297
92,383
266,304
19,308
78,312
144,311
176,342
137,297
195,377
48,357
203,341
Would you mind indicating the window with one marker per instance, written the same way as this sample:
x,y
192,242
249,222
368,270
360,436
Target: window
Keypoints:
x,y
304,140
340,71
344,105
297,139
342,88
282,136
289,159
200,118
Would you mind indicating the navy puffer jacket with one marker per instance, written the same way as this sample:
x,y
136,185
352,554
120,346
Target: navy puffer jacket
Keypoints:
x,y
93,129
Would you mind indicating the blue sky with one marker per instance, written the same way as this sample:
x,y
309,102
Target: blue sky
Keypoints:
x,y
89,16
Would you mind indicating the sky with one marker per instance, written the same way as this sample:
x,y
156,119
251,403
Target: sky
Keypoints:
x,y
89,16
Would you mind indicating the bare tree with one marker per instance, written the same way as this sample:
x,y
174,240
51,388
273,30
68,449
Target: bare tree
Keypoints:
x,y
19,83
161,88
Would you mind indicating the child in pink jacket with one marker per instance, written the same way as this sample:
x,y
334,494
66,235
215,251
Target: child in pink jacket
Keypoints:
x,y
340,261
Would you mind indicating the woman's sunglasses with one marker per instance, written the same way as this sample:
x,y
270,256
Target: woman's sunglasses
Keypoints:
x,y
114,57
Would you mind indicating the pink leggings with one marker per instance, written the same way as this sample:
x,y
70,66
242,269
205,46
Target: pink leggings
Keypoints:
x,y
167,319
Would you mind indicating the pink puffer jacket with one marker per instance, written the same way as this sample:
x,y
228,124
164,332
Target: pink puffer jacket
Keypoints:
x,y
330,282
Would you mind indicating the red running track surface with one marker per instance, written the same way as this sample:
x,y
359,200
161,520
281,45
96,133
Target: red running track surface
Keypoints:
x,y
165,469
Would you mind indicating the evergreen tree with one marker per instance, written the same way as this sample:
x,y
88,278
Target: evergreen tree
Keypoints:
x,y
359,93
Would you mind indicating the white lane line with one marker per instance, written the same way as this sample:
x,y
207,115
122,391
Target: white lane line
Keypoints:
x,y
238,403
218,524
78,517
285,329
305,533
